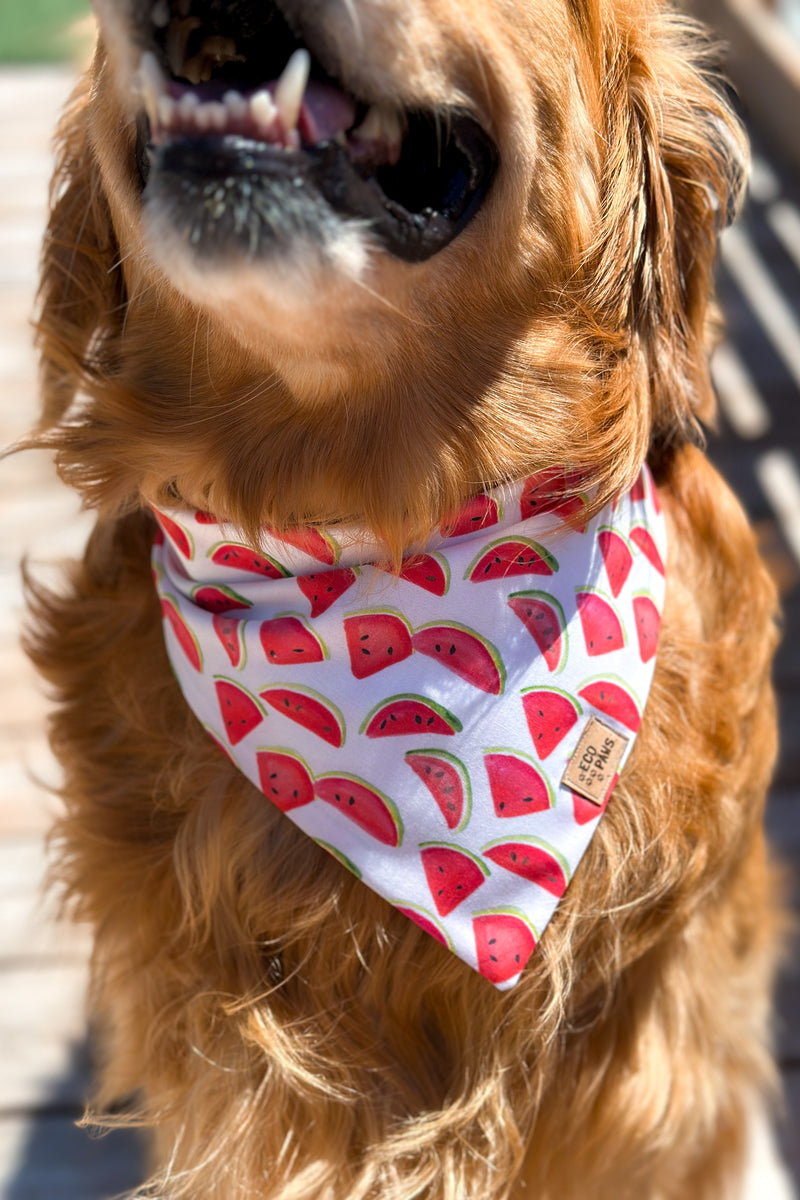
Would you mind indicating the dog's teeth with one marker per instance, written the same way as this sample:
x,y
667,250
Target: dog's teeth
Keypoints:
x,y
187,106
159,14
217,115
291,88
381,124
262,109
167,109
152,83
236,105
203,118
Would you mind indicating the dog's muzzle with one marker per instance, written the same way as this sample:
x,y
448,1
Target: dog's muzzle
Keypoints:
x,y
246,140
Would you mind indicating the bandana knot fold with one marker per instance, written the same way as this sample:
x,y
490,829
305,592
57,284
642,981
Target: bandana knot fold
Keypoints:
x,y
451,735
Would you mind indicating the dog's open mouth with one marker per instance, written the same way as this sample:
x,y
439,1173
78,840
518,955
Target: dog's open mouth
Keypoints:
x,y
249,139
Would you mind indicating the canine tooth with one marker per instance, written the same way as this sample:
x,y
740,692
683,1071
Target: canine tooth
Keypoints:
x,y
159,14
152,84
166,111
291,88
380,125
262,109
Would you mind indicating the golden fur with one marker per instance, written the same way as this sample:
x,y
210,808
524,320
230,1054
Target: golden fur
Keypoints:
x,y
290,1035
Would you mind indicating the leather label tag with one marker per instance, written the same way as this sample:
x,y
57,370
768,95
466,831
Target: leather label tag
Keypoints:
x,y
593,769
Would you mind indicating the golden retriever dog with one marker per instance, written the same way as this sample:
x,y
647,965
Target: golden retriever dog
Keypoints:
x,y
316,265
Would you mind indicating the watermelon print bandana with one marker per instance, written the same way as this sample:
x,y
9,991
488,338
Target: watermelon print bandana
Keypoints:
x,y
419,727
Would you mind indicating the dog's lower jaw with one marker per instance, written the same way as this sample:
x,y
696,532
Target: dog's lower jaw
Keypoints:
x,y
287,308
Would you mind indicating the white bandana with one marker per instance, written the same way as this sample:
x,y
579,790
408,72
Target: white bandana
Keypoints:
x,y
419,728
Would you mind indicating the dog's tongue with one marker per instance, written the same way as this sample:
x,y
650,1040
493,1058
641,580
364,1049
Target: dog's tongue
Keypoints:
x,y
324,113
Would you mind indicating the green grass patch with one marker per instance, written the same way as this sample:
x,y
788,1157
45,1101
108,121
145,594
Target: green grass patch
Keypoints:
x,y
38,30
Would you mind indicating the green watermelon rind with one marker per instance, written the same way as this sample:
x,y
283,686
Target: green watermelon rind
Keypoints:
x,y
541,551
332,708
241,601
306,627
508,911
240,687
283,571
288,753
546,598
347,863
171,601
442,563
490,649
417,908
560,692
380,611
448,717
620,683
623,537
239,637
550,688
513,753
461,850
390,805
606,600
463,774
166,519
529,840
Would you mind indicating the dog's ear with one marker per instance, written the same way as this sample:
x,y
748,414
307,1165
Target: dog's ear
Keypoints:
x,y
674,171
81,295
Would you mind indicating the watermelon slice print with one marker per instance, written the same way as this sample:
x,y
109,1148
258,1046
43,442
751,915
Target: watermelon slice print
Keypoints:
x,y
532,859
642,538
244,558
585,811
376,639
407,715
230,631
602,628
180,537
609,695
479,512
183,634
552,491
648,624
447,780
365,806
340,857
617,558
637,492
325,588
550,714
240,711
219,599
287,641
543,617
517,787
425,920
511,556
452,874
285,779
309,709
312,542
428,571
465,653
504,941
